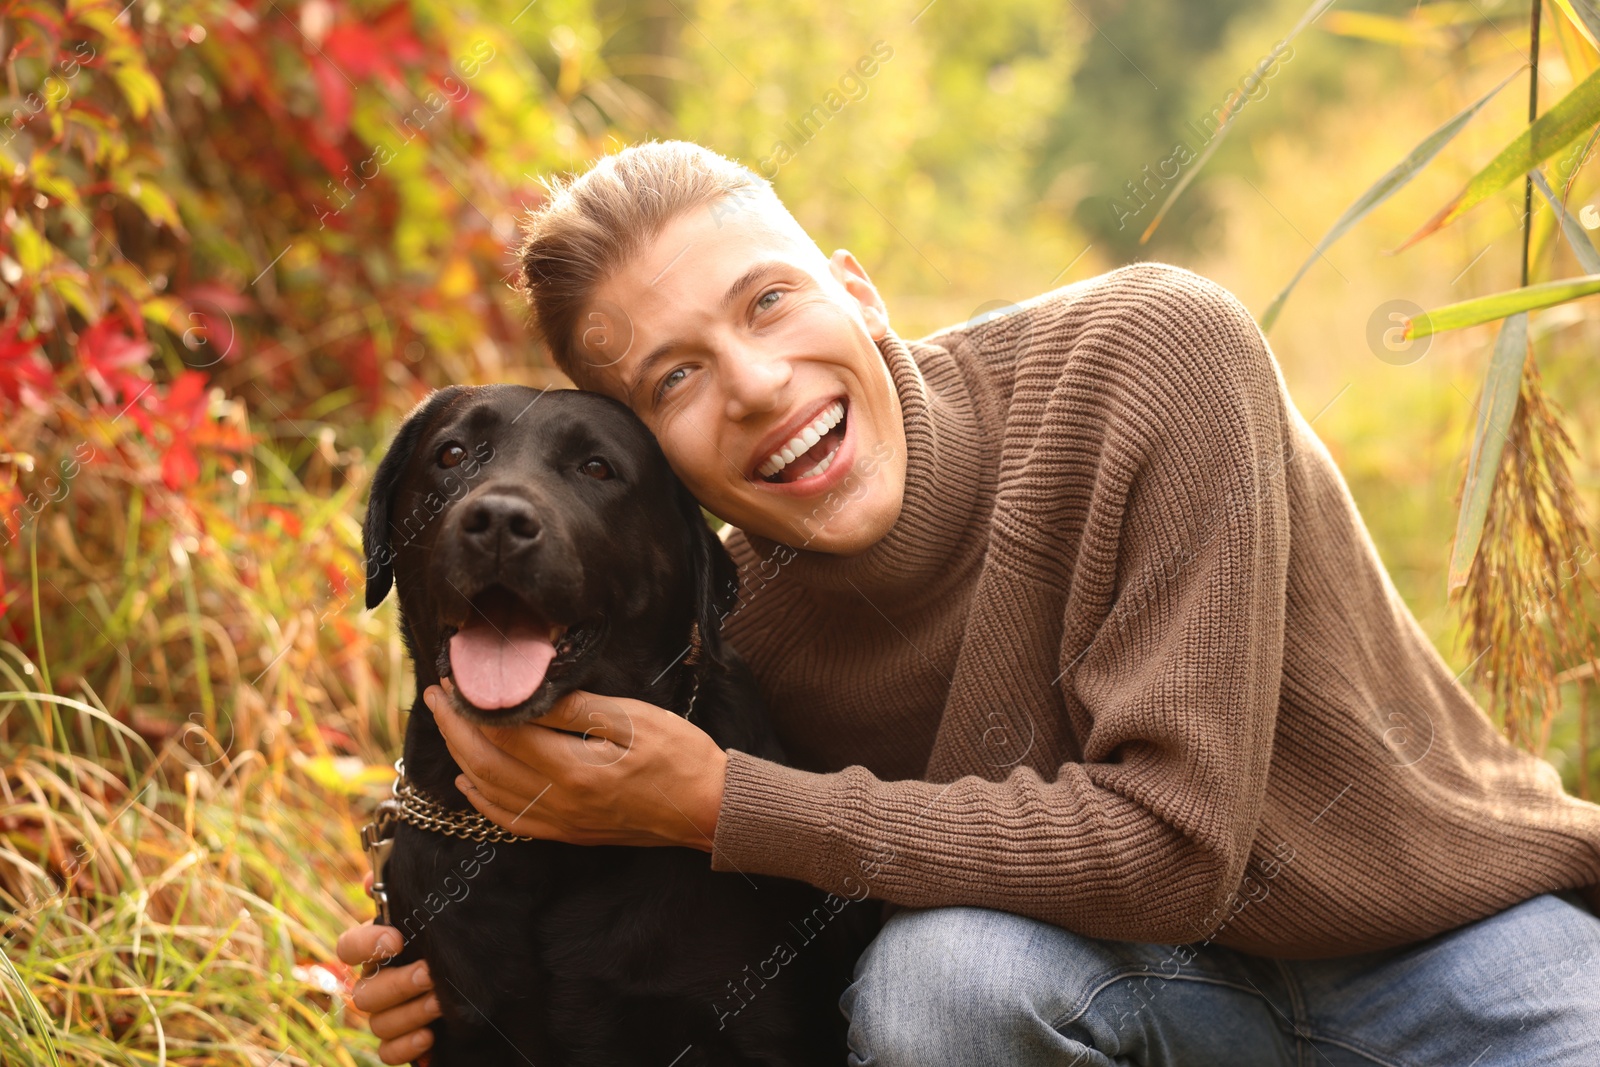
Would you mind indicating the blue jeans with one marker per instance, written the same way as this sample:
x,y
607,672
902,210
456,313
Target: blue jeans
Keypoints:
x,y
977,987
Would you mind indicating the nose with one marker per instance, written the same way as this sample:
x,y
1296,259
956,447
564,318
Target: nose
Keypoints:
x,y
499,520
754,381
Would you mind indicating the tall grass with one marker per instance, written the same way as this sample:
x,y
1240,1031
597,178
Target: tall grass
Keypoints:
x,y
179,838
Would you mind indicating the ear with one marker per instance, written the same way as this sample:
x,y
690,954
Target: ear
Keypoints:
x,y
714,576
380,495
849,272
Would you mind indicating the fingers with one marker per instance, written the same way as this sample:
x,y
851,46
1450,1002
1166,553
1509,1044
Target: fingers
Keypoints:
x,y
593,717
519,820
391,987
367,943
509,801
400,1000
405,1049
414,1014
484,761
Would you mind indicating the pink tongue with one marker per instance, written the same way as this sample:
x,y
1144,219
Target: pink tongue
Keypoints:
x,y
495,669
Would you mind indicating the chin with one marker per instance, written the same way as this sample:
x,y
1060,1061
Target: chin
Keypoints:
x,y
852,541
853,528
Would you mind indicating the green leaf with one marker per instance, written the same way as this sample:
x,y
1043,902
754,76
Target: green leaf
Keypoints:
x,y
1564,123
74,289
138,85
1500,390
154,202
34,251
1385,187
162,311
1484,309
1577,236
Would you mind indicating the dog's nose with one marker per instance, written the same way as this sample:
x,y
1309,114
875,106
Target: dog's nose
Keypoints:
x,y
499,518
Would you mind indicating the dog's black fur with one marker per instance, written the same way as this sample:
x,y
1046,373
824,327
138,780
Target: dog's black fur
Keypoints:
x,y
554,954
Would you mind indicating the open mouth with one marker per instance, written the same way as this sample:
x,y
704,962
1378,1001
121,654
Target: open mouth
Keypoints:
x,y
505,650
811,451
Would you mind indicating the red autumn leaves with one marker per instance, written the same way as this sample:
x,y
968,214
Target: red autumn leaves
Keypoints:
x,y
114,358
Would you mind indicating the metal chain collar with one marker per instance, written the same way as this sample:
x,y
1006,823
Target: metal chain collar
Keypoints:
x,y
425,813
408,804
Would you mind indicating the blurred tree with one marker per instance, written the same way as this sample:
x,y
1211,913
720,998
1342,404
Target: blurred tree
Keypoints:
x,y
1144,88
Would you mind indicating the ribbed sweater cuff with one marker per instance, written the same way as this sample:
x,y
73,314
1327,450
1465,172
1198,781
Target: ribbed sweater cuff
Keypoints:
x,y
774,819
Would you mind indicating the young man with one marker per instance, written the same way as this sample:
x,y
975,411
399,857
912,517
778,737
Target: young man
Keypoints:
x,y
1088,664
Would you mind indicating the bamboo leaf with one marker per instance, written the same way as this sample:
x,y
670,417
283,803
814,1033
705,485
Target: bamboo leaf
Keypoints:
x,y
1385,187
1564,123
1582,158
1584,16
1480,310
1500,390
1577,48
1577,236
1233,107
1384,29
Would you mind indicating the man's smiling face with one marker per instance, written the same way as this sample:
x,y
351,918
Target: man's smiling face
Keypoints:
x,y
752,358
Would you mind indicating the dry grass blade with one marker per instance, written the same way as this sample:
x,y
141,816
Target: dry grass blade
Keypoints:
x,y
185,921
43,1034
1571,228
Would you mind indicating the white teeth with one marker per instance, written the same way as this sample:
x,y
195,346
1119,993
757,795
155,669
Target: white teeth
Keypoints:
x,y
827,461
804,442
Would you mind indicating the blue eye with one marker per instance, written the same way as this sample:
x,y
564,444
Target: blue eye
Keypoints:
x,y
670,379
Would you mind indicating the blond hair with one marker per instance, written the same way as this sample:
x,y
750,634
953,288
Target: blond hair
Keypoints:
x,y
590,224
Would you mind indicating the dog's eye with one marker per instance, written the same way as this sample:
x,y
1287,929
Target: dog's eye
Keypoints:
x,y
597,468
451,454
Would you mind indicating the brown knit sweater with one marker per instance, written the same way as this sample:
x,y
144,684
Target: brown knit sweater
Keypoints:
x,y
1128,662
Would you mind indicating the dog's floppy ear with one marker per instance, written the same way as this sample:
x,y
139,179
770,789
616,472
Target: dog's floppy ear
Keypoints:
x,y
716,579
380,495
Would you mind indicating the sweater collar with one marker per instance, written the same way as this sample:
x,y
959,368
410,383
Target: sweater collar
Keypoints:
x,y
951,467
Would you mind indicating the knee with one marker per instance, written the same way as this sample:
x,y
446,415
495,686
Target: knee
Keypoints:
x,y
1527,980
953,985
1559,981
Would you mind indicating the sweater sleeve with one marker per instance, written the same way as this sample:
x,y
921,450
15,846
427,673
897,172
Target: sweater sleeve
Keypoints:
x,y
1170,659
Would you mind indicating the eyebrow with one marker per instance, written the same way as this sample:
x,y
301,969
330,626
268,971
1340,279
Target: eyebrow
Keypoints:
x,y
664,349
749,278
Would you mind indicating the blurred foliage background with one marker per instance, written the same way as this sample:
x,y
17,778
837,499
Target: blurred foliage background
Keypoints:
x,y
239,238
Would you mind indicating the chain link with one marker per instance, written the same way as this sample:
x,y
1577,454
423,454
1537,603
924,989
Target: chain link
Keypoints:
x,y
422,811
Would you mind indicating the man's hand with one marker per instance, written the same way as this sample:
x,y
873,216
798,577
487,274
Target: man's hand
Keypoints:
x,y
594,770
399,1000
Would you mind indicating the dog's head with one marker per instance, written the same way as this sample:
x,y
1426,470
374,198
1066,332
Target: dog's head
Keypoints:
x,y
540,543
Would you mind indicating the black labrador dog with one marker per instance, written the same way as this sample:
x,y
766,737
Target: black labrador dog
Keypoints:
x,y
540,543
